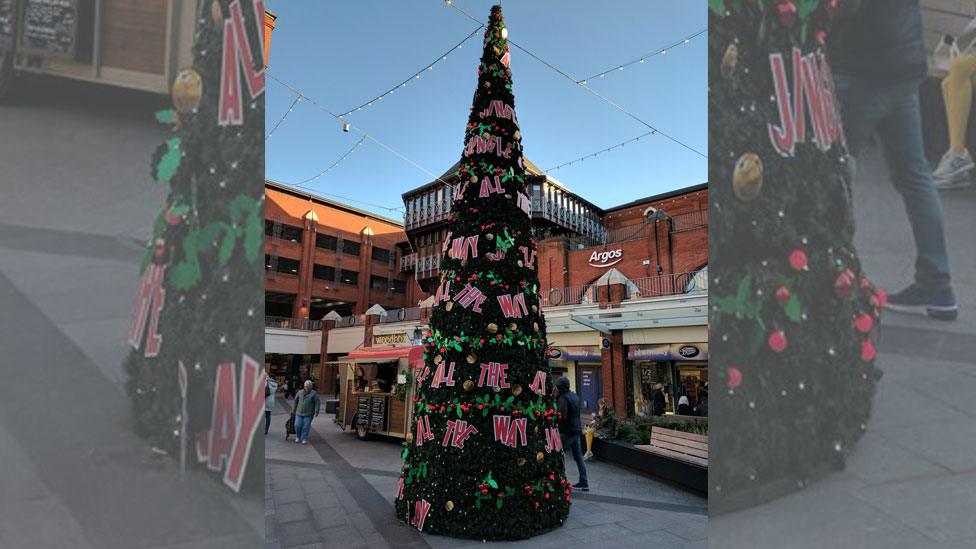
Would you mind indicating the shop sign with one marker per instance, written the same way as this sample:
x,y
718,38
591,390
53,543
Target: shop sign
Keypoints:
x,y
688,351
579,352
390,339
554,353
602,260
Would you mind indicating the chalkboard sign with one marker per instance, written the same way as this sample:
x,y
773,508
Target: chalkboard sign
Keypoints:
x,y
362,412
377,414
8,14
50,26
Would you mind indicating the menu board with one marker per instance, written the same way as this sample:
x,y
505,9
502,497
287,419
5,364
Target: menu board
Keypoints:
x,y
50,26
8,13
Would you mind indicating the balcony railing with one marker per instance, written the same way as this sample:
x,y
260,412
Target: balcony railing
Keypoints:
x,y
432,213
692,220
351,320
305,324
400,315
651,286
408,262
428,266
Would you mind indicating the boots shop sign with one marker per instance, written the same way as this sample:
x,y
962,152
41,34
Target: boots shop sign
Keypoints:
x,y
607,258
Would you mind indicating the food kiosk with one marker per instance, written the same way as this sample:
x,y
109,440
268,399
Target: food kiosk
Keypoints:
x,y
377,388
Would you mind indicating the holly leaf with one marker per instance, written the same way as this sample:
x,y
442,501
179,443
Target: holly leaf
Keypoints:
x,y
477,503
227,245
793,308
459,412
492,483
742,294
498,503
807,7
169,162
167,116
717,7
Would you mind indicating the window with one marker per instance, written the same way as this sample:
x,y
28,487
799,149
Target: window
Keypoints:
x,y
399,286
350,247
282,265
289,232
268,227
378,282
325,241
322,272
381,254
349,277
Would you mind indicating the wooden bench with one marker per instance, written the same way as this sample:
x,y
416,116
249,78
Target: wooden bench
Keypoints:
x,y
686,447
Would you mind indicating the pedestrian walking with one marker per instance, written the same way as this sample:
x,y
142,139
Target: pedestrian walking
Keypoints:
x,y
269,396
684,406
567,406
659,403
306,407
878,58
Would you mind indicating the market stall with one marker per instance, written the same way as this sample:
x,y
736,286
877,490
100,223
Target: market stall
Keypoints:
x,y
377,386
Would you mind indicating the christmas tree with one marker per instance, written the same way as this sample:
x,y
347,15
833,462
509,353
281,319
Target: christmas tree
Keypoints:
x,y
483,458
794,320
194,377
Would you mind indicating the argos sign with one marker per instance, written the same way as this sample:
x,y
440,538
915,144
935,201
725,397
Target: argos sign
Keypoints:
x,y
606,258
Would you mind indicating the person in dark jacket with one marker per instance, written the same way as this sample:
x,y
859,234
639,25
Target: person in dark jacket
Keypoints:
x,y
684,406
877,52
659,403
306,407
567,406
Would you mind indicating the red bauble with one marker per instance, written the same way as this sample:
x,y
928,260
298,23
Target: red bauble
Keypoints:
x,y
787,11
783,295
843,284
735,377
777,341
867,350
864,323
798,260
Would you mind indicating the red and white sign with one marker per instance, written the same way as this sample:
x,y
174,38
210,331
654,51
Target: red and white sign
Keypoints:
x,y
441,378
237,57
148,306
420,510
510,431
813,91
457,432
493,375
538,385
602,260
423,430
470,295
513,306
464,247
236,415
553,440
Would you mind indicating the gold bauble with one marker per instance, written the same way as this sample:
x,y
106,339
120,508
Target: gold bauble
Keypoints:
x,y
448,306
474,178
187,90
438,359
518,134
540,457
535,308
216,13
464,262
730,59
449,506
513,327
492,327
472,359
747,177
508,195
490,236
520,264
535,326
409,438
468,385
516,389
520,461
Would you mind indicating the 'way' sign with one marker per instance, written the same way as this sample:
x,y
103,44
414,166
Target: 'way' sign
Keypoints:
x,y
607,258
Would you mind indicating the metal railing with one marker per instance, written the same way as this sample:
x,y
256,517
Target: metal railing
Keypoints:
x,y
351,320
285,322
408,262
400,315
691,220
651,286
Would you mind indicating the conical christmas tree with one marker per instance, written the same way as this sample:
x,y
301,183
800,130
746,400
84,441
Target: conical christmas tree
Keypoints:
x,y
194,375
483,458
794,320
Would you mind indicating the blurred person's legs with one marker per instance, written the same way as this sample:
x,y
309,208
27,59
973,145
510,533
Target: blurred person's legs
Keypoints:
x,y
589,433
955,169
892,110
572,444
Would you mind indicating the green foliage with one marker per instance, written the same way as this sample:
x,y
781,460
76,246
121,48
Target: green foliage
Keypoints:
x,y
637,430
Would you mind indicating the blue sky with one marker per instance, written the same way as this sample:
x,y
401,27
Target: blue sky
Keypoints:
x,y
344,53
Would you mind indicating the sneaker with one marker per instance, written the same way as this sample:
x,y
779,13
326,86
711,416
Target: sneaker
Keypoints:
x,y
938,304
304,442
588,456
581,487
298,441
954,171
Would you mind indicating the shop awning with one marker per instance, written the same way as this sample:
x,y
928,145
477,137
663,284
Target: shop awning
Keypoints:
x,y
413,353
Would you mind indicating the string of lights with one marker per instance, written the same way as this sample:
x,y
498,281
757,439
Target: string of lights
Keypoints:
x,y
348,124
601,151
642,59
579,83
334,164
414,76
284,116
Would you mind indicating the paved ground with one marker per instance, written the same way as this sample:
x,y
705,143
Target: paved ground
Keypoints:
x,y
911,481
338,492
76,205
